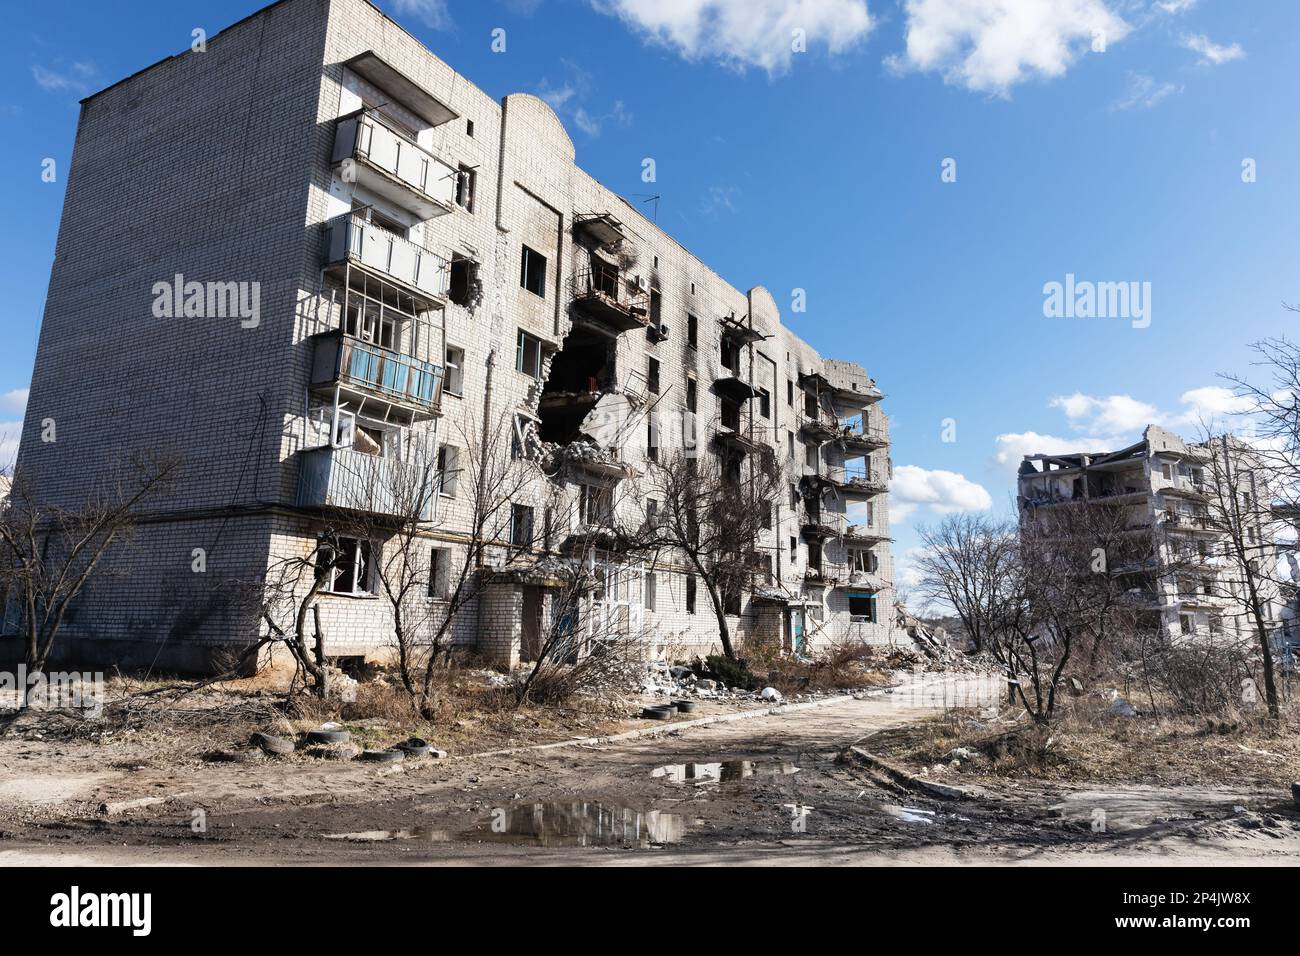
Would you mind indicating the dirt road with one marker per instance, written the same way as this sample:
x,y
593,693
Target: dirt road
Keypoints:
x,y
771,790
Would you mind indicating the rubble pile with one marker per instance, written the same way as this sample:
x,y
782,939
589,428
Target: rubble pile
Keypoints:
x,y
930,642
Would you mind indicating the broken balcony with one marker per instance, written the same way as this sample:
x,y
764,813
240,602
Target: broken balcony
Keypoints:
x,y
600,296
818,430
859,435
344,479
353,241
863,534
732,386
389,164
844,397
859,486
367,372
600,228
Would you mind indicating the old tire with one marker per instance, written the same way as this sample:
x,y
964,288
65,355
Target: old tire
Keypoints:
x,y
414,748
685,706
271,744
328,737
658,713
1295,793
382,756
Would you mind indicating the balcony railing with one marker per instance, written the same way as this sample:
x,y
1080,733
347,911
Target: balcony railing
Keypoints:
x,y
350,480
862,434
346,360
351,238
602,294
390,164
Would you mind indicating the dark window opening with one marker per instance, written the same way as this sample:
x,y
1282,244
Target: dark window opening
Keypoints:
x,y
731,354
862,608
691,395
810,406
765,403
532,272
730,415
692,331
345,566
652,375
690,594
731,598
469,127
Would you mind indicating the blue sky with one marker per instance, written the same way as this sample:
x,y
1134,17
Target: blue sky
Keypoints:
x,y
821,170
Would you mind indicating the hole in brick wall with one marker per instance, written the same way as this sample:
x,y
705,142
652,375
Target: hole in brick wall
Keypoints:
x,y
581,371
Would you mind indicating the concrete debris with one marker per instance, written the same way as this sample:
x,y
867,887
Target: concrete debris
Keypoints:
x,y
930,642
1122,708
771,694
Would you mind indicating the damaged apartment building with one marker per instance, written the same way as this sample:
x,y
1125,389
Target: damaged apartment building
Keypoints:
x,y
1168,498
432,265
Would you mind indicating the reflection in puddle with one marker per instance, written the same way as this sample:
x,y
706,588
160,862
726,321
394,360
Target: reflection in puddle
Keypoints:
x,y
580,824
379,836
723,771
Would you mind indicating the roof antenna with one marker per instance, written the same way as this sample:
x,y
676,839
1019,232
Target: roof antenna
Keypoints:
x,y
645,198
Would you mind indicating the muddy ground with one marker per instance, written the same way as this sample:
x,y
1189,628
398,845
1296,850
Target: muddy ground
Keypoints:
x,y
771,790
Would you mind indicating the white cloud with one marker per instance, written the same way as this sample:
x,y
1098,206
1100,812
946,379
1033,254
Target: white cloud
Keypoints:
x,y
1143,92
744,33
1108,415
991,45
1212,54
14,401
432,13
75,78
567,99
942,492
1012,447
1174,7
1212,402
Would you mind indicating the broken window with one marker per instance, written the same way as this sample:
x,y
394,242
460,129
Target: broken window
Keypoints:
x,y
649,590
690,594
521,526
463,288
448,459
864,561
452,381
810,456
789,392
692,398
345,566
528,354
652,375
652,439
532,272
789,440
766,514
466,184
692,331
862,607
765,403
438,572
810,406
596,504
730,598
814,555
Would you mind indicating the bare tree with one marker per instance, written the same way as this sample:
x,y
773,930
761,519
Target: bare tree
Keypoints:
x,y
48,552
966,564
711,509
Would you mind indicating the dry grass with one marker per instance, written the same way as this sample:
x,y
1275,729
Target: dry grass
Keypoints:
x,y
1092,747
847,666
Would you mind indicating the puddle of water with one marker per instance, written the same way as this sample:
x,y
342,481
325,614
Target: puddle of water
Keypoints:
x,y
723,771
580,824
910,814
